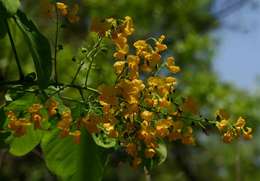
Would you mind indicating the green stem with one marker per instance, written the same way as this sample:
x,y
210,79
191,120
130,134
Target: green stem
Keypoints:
x,y
77,72
91,56
55,45
14,50
88,71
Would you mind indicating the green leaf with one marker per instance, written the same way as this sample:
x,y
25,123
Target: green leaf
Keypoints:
x,y
3,30
104,141
61,154
2,118
21,104
39,47
8,7
93,160
20,146
161,152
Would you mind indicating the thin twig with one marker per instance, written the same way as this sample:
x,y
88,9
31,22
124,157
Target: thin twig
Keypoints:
x,y
77,72
14,50
55,45
90,56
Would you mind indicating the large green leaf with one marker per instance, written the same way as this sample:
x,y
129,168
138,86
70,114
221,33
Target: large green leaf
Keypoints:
x,y
61,154
39,48
93,160
73,162
8,7
20,146
2,28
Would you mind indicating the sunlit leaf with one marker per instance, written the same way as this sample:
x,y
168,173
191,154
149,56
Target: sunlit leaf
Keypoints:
x,y
61,154
20,146
21,104
8,7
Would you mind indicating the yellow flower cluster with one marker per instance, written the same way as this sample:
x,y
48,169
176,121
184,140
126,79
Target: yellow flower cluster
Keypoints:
x,y
18,125
65,11
64,120
231,130
138,111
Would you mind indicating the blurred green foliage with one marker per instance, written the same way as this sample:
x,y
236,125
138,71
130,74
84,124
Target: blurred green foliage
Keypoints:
x,y
187,25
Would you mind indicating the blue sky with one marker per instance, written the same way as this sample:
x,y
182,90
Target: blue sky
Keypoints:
x,y
237,58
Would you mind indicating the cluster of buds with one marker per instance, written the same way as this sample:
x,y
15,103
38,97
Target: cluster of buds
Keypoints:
x,y
17,125
36,117
231,129
64,120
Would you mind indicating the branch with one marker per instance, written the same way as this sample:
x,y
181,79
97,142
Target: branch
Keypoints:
x,y
61,85
56,44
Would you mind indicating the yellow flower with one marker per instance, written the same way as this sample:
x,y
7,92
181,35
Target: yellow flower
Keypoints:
x,y
18,126
133,61
159,46
154,81
119,66
63,8
120,41
222,124
129,27
170,65
147,115
240,123
151,102
120,54
36,119
247,134
170,81
35,108
174,69
149,153
141,47
109,127
108,95
52,107
228,136
72,17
